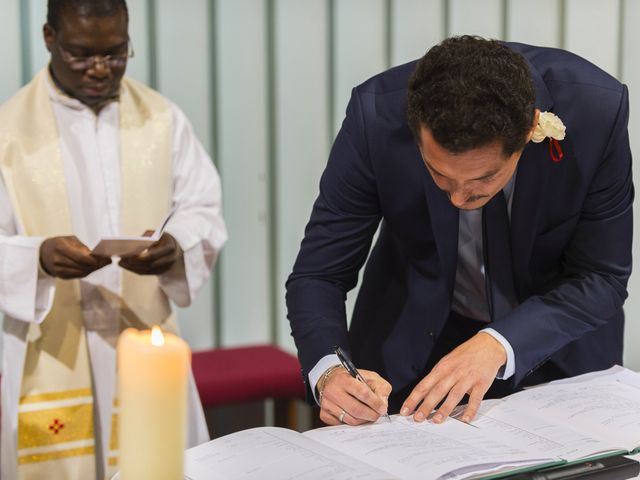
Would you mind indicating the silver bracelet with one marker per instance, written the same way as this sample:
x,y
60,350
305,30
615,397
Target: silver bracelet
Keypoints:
x,y
323,381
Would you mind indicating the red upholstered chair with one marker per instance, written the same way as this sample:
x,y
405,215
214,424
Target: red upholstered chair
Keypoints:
x,y
226,376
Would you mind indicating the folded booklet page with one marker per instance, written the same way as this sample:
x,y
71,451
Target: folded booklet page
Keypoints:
x,y
547,425
122,246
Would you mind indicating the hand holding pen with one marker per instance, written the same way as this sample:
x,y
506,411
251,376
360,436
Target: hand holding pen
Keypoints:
x,y
343,400
353,371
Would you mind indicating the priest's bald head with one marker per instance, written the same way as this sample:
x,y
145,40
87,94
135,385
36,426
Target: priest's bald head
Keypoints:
x,y
89,45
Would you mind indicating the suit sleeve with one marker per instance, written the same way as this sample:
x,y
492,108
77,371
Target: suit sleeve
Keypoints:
x,y
596,265
337,239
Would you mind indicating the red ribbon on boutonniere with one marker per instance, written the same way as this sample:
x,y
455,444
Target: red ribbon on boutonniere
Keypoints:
x,y
551,127
555,150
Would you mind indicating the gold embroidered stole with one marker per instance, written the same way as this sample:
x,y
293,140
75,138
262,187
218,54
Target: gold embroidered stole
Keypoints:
x,y
55,418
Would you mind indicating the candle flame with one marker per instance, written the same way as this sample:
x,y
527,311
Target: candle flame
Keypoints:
x,y
157,338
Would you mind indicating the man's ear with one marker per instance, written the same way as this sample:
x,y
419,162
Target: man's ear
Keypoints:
x,y
536,119
49,36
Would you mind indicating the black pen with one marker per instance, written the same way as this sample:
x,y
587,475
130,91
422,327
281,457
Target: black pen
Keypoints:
x,y
353,371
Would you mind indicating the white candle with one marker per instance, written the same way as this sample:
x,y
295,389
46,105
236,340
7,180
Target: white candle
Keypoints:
x,y
152,379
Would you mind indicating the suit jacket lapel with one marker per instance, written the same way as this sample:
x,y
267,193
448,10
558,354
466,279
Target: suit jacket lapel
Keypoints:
x,y
529,192
531,179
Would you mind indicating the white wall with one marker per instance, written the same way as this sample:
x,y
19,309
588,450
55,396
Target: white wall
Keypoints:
x,y
265,83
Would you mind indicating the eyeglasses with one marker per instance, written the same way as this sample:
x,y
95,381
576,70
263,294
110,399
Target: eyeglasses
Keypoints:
x,y
81,64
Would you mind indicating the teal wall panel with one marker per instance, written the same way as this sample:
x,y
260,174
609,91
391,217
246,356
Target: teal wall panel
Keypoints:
x,y
592,31
535,23
476,17
139,31
183,60
360,47
182,73
416,25
10,51
242,79
302,139
38,54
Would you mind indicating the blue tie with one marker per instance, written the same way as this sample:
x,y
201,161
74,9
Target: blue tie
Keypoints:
x,y
496,241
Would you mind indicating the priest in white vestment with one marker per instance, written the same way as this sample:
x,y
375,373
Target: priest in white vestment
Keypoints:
x,y
86,153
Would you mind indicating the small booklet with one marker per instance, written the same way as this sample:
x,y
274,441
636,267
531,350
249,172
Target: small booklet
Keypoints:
x,y
124,246
555,424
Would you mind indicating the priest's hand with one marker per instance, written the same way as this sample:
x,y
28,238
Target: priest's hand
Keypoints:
x,y
469,369
344,399
67,257
156,259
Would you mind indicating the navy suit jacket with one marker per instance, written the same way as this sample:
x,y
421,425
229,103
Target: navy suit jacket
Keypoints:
x,y
571,230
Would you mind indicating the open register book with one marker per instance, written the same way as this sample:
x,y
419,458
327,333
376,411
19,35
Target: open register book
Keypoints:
x,y
584,417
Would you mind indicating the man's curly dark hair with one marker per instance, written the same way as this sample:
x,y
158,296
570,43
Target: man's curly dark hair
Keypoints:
x,y
470,92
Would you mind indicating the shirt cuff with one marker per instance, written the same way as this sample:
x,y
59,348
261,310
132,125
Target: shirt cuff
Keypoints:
x,y
175,284
508,369
27,290
324,364
45,292
183,281
177,281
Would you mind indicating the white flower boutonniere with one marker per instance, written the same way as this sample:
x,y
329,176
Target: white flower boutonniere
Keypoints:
x,y
550,126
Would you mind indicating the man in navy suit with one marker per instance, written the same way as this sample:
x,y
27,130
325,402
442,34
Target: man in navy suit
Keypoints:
x,y
504,247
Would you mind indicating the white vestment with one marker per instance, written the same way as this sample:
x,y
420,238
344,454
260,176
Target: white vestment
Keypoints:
x,y
90,148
